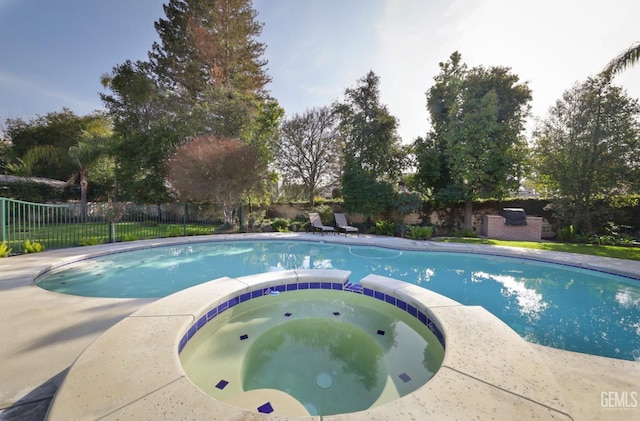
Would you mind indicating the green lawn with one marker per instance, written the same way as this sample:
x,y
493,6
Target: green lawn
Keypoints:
x,y
629,253
71,235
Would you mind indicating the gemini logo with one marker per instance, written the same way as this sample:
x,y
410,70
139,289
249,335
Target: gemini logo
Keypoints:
x,y
619,400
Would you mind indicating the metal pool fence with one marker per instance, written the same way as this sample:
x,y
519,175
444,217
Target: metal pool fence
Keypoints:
x,y
69,225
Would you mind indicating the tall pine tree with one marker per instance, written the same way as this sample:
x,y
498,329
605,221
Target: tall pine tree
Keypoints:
x,y
206,76
208,44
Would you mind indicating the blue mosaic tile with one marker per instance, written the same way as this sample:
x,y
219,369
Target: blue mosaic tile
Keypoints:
x,y
192,331
401,305
404,377
222,307
244,337
422,317
222,384
212,313
233,302
346,286
183,343
266,408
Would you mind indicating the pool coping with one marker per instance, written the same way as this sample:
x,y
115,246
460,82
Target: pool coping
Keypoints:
x,y
49,330
111,380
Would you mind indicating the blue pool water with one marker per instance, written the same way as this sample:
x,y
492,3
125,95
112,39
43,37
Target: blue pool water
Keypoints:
x,y
558,306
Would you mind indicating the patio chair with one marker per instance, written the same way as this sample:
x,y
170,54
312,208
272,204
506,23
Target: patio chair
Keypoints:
x,y
316,224
343,226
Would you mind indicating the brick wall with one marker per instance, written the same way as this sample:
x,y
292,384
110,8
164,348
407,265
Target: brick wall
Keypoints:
x,y
494,227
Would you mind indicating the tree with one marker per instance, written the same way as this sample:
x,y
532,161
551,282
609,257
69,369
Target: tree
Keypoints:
x,y
217,170
209,43
373,157
627,58
589,146
204,77
308,150
147,131
61,145
475,148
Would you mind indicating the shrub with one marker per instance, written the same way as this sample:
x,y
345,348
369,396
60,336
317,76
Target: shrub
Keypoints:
x,y
280,224
385,227
90,241
417,232
133,237
173,232
326,214
465,233
34,247
5,250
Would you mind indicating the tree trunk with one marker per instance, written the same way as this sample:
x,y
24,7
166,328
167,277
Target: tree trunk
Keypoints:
x,y
311,198
84,187
468,215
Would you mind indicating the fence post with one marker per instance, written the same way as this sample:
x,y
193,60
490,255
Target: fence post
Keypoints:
x,y
3,218
184,220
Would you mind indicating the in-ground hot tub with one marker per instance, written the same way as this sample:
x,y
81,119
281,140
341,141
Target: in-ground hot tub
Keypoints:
x,y
332,348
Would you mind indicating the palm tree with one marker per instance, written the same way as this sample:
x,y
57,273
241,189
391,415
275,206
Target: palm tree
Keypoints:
x,y
626,59
86,151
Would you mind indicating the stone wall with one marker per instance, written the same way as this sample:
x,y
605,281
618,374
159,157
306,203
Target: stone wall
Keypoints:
x,y
537,226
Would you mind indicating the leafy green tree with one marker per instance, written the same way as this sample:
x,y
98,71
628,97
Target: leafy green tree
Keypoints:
x,y
588,147
62,146
476,148
204,76
308,150
146,131
373,156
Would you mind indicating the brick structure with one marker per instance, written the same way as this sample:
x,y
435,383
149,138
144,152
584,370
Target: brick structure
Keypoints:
x,y
494,227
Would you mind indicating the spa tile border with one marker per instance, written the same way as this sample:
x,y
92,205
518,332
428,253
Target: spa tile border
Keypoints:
x,y
298,286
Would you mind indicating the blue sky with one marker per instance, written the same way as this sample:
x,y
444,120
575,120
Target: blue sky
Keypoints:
x,y
52,53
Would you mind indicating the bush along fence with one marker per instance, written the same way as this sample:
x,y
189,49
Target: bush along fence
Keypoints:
x,y
27,227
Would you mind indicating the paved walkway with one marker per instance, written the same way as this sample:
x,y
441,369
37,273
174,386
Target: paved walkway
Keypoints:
x,y
44,332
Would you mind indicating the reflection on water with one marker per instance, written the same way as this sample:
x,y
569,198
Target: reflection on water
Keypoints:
x,y
563,307
529,301
289,357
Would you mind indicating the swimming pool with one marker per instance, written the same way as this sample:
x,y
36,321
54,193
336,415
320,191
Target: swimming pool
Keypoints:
x,y
554,305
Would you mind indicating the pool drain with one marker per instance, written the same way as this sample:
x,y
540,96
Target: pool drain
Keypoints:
x,y
324,380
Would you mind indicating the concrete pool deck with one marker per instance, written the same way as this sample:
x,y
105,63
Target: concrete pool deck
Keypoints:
x,y
44,332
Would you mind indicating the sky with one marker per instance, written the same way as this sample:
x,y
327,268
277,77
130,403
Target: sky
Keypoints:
x,y
52,53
